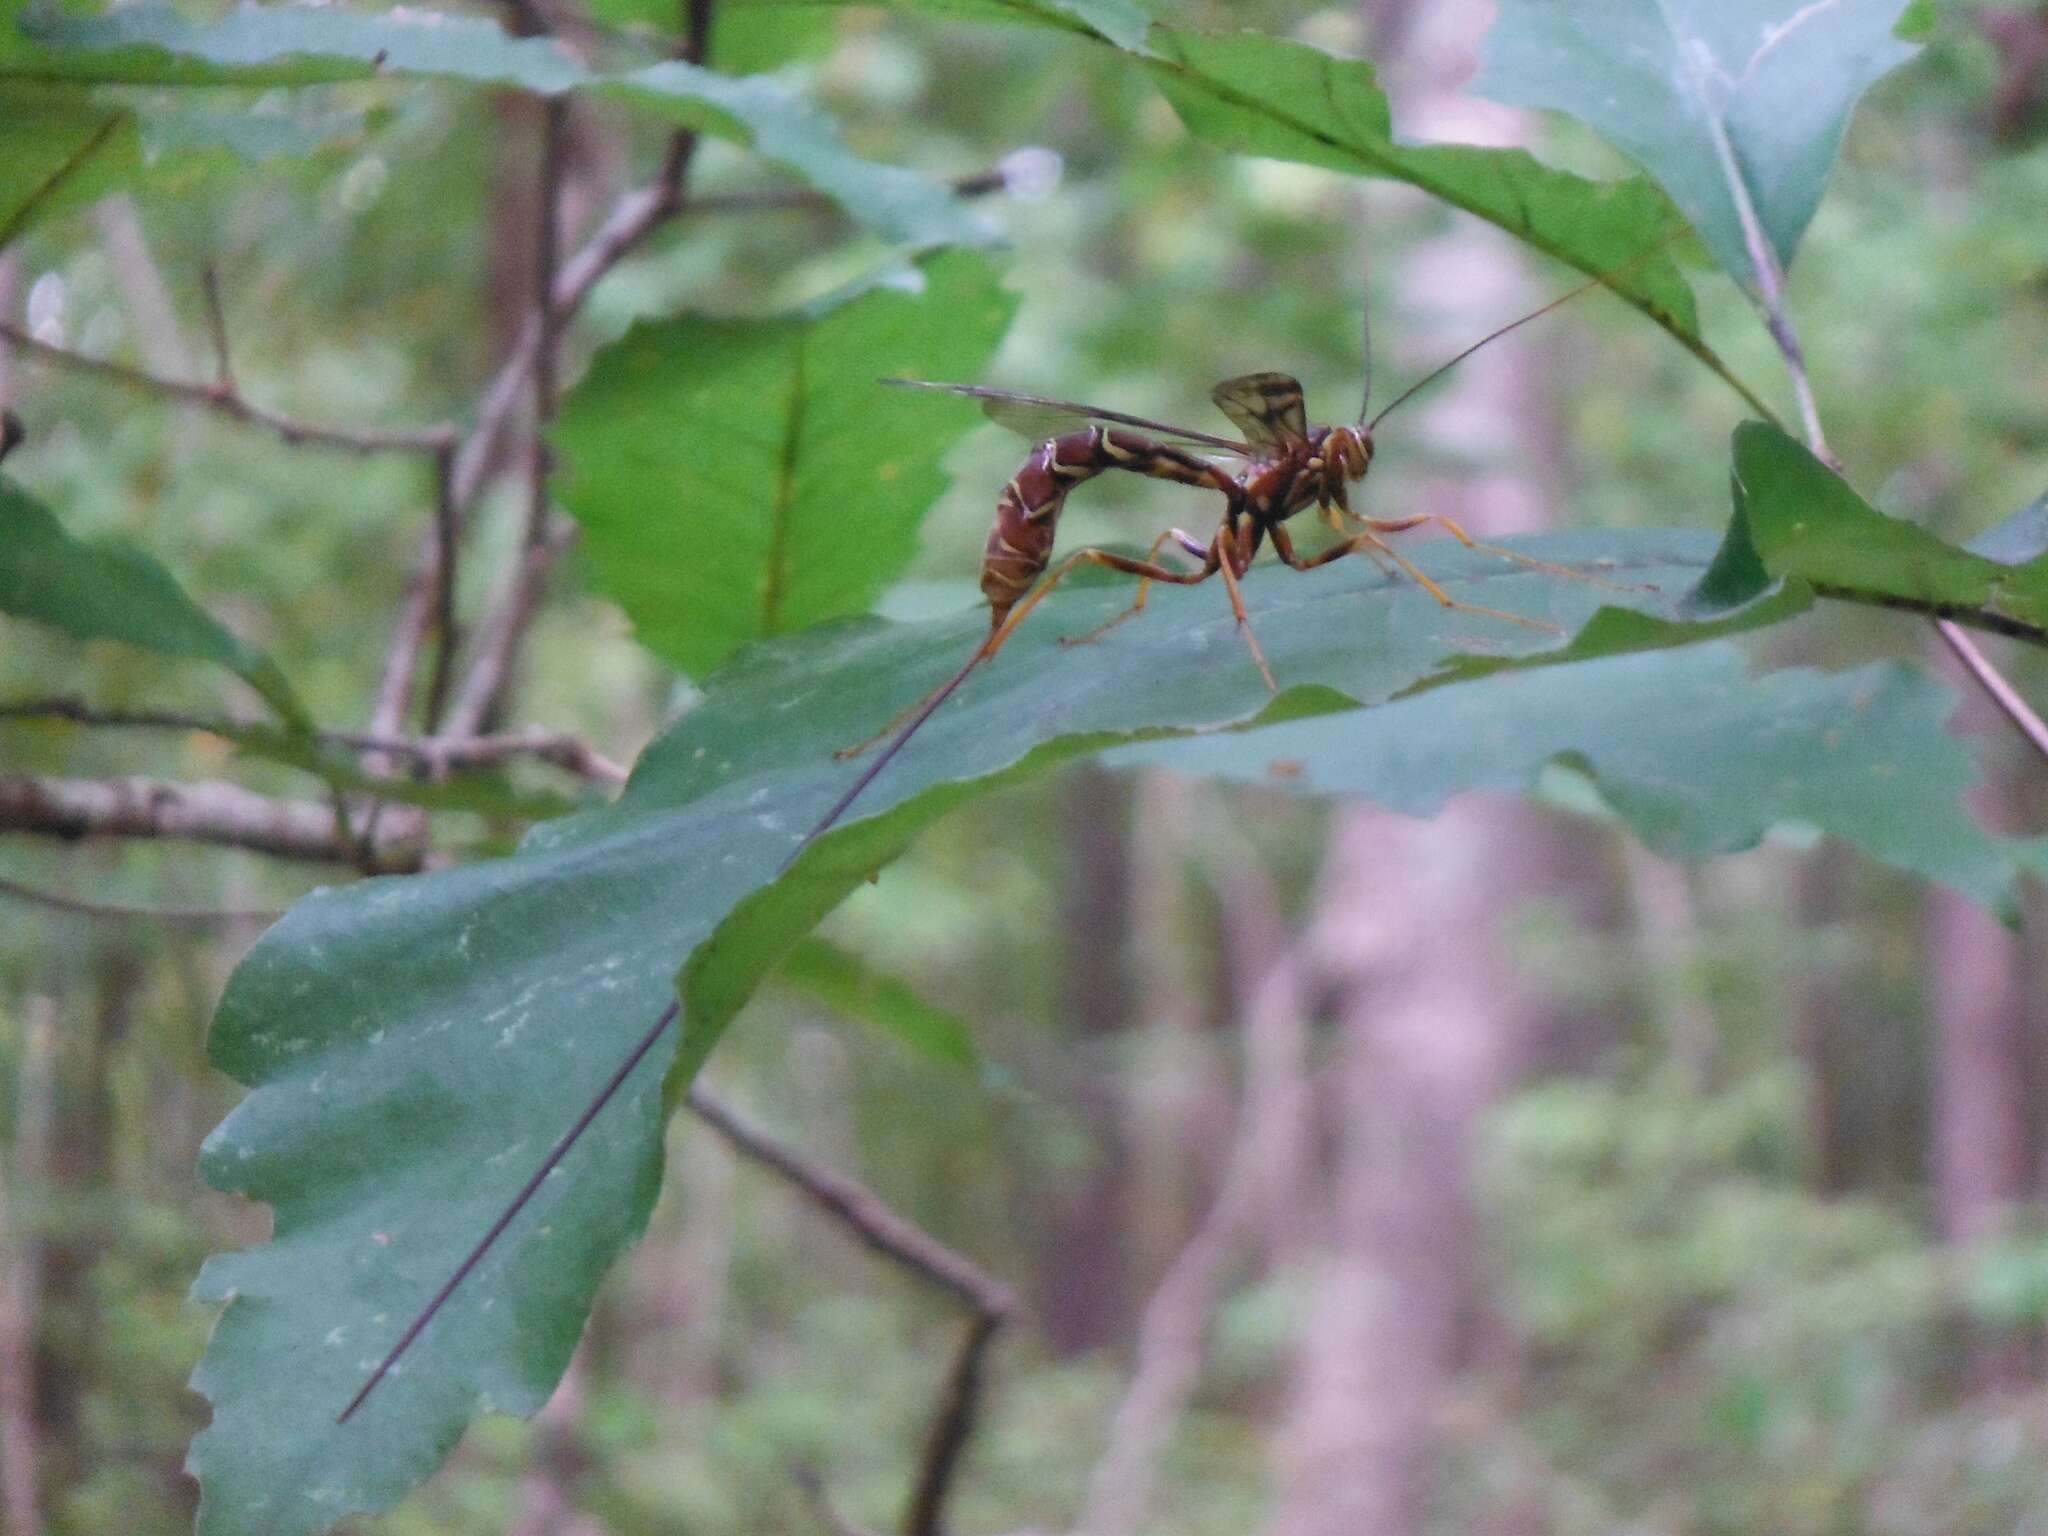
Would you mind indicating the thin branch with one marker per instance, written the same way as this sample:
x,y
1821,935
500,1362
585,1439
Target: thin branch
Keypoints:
x,y
1994,683
498,636
547,256
504,631
226,815
858,1208
81,907
447,540
1778,320
632,219
228,402
945,1443
11,433
894,1237
437,755
217,326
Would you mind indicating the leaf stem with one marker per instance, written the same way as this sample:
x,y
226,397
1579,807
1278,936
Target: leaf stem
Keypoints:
x,y
1770,295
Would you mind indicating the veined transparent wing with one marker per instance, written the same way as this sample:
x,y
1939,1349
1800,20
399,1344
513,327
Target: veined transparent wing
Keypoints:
x,y
1039,417
1267,408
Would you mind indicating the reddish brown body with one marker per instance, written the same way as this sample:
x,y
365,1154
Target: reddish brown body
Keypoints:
x,y
1028,510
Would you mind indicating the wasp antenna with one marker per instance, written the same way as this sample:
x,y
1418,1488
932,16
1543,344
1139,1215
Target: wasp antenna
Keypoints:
x,y
1601,281
1365,331
1365,336
506,1217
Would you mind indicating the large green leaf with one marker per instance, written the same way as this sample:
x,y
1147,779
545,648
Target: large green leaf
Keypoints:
x,y
415,1044
1695,755
1806,523
110,590
57,149
1721,100
151,44
742,478
1264,95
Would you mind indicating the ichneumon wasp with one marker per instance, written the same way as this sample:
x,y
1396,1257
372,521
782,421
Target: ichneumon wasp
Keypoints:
x,y
1288,466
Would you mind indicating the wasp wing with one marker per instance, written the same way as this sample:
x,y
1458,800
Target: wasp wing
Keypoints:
x,y
1267,408
1039,417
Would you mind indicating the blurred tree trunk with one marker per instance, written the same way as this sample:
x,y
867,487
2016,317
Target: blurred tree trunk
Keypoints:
x,y
1980,1144
1822,1026
20,1280
1976,973
80,1146
1428,1039
1083,1279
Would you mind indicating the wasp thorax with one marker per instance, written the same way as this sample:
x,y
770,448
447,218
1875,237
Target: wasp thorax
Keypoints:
x,y
1350,450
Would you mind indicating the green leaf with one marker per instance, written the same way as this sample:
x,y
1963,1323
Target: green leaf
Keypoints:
x,y
1807,523
845,984
416,1044
57,150
1720,100
110,590
150,44
1267,96
742,478
1118,22
1695,756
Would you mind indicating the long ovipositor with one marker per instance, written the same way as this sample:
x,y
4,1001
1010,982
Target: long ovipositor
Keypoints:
x,y
1028,510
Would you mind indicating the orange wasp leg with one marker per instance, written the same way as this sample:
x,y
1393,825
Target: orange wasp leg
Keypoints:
x,y
1370,542
1570,573
1186,541
1227,564
1149,570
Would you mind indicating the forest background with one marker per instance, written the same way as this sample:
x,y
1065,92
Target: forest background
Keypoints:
x,y
1333,1170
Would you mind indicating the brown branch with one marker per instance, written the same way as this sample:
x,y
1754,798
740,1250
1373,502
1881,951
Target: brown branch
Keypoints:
x,y
11,433
503,632
447,538
951,1428
632,219
437,755
217,327
226,815
227,401
81,907
860,1210
498,636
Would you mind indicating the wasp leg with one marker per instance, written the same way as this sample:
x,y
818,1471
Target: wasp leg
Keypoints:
x,y
1570,573
1336,516
1370,541
1186,541
1148,570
